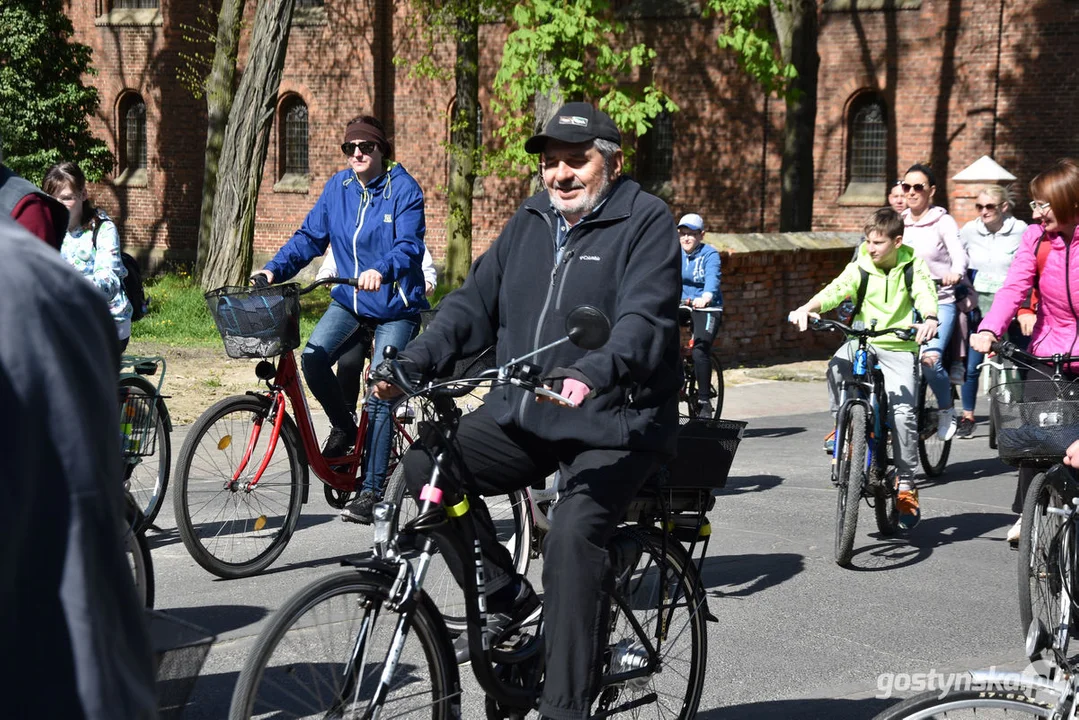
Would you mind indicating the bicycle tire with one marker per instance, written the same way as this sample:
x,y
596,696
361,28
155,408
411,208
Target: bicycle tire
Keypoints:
x,y
514,526
885,494
688,395
297,665
1046,576
242,521
717,387
852,457
137,549
147,477
968,704
641,570
932,451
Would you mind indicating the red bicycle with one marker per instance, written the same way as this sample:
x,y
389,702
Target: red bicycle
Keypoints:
x,y
242,474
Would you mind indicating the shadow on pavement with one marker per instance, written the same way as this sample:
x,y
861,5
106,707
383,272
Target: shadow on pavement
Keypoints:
x,y
800,710
745,575
158,537
912,547
211,696
777,432
968,470
739,485
220,619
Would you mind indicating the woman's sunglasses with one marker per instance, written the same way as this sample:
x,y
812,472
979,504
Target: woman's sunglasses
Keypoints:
x,y
916,187
988,206
367,147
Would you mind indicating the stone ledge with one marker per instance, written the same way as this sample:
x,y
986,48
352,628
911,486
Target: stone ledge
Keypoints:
x,y
868,5
130,17
782,242
132,178
292,183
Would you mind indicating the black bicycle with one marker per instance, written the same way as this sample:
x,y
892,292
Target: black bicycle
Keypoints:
x,y
369,641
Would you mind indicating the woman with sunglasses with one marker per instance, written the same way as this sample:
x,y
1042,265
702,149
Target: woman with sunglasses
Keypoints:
x,y
934,236
1055,194
372,216
991,241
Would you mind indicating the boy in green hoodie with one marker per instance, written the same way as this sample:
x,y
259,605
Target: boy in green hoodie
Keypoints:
x,y
889,302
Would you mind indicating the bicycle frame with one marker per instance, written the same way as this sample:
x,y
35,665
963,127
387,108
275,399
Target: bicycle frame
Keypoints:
x,y
862,390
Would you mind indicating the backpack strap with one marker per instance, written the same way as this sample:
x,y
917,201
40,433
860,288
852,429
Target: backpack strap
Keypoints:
x,y
863,285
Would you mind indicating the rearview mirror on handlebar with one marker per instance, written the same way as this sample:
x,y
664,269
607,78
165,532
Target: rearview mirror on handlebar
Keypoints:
x,y
587,327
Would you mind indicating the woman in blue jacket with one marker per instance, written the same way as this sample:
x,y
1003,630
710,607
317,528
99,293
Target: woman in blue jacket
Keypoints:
x,y
373,220
700,289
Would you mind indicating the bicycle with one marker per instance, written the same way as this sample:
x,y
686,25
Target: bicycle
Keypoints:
x,y
331,652
1036,421
860,458
237,500
140,425
147,428
932,451
688,395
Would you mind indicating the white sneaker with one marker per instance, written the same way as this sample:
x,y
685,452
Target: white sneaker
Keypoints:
x,y
1015,531
946,424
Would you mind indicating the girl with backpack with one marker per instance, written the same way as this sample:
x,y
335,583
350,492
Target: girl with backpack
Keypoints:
x,y
92,242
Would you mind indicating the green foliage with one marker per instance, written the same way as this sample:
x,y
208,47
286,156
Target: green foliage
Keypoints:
x,y
44,105
748,32
197,62
569,48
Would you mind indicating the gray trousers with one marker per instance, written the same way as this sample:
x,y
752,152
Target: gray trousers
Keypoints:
x,y
899,378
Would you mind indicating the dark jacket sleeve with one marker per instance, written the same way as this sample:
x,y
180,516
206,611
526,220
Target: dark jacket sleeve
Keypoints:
x,y
647,304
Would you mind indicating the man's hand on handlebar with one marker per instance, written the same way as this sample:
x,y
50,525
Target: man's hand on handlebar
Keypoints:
x,y
926,331
261,278
573,390
801,316
982,341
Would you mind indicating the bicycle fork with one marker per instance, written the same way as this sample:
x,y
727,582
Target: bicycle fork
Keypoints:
x,y
277,416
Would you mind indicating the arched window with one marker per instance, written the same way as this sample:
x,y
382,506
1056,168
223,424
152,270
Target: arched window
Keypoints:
x,y
292,124
132,125
134,4
655,155
868,133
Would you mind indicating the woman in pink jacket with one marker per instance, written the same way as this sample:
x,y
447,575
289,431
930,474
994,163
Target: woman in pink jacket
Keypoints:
x,y
1055,195
934,236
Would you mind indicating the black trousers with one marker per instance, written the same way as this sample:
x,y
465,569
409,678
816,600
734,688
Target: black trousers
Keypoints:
x,y
598,485
705,325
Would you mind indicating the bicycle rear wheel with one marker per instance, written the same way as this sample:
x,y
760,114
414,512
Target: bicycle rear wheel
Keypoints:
x,y
137,549
147,476
972,705
229,530
510,516
688,397
663,594
1046,563
852,459
322,655
932,451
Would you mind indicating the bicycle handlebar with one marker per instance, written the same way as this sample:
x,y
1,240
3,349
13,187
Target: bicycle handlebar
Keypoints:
x,y
828,324
354,282
1010,350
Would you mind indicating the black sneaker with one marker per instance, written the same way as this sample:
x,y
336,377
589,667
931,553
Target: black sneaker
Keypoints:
x,y
361,510
704,409
339,443
965,428
499,623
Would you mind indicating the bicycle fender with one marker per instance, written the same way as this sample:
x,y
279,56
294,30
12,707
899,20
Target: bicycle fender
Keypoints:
x,y
288,425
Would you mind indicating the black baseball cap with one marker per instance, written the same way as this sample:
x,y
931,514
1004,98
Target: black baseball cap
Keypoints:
x,y
575,122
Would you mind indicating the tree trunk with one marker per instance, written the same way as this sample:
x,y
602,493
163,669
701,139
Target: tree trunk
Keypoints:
x,y
243,150
220,88
463,150
546,106
797,29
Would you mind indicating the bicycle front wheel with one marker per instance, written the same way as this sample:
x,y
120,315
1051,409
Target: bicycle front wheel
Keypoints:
x,y
147,476
658,586
932,451
970,705
512,525
323,653
852,461
1046,563
231,530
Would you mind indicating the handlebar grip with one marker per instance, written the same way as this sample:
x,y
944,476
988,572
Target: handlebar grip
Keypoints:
x,y
400,376
259,281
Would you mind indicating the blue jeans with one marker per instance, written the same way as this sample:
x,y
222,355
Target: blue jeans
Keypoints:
x,y
337,332
936,375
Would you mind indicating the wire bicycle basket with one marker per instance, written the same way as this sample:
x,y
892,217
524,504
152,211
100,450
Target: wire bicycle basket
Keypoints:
x,y
138,423
1036,420
257,322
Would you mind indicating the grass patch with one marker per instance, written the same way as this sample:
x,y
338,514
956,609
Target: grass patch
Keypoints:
x,y
178,314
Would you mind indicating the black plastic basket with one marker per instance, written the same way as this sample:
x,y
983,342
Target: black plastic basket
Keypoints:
x,y
138,422
180,649
1036,420
257,322
706,450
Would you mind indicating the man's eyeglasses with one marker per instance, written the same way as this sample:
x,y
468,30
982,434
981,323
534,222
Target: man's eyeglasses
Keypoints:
x,y
1036,206
916,187
366,147
988,206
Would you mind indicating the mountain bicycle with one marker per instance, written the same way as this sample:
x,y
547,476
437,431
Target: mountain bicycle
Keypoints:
x,y
237,496
146,427
370,641
863,433
688,395
1037,418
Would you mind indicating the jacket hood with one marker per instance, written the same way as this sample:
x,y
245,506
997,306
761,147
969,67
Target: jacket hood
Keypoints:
x,y
905,257
931,216
1006,228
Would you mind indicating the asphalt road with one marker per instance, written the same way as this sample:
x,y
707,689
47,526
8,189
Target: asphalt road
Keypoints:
x,y
796,637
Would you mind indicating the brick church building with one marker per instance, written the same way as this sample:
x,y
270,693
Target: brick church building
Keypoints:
x,y
901,81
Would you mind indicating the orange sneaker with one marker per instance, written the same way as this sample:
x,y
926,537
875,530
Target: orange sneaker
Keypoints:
x,y
909,510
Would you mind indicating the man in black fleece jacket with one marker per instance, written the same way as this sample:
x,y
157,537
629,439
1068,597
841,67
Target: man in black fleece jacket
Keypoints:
x,y
592,237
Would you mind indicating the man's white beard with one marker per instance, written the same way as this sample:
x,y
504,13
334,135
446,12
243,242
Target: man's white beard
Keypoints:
x,y
586,203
